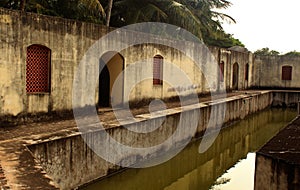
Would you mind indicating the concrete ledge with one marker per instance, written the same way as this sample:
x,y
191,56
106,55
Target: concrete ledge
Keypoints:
x,y
66,147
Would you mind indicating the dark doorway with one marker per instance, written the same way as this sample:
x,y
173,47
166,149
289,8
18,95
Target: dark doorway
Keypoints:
x,y
235,77
104,85
111,80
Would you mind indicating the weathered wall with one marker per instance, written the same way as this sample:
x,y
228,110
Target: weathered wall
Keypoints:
x,y
242,59
62,157
285,99
172,59
268,71
272,173
68,41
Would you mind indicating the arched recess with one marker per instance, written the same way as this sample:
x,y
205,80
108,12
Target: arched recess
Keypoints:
x,y
158,70
247,72
111,65
221,71
235,77
38,64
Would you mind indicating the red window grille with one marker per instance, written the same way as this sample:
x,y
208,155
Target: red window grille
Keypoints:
x,y
286,73
247,72
221,75
157,70
38,69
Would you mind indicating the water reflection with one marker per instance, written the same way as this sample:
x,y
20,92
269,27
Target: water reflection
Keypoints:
x,y
190,170
241,175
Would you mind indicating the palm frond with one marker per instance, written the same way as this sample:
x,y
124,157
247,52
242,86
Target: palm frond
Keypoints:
x,y
93,5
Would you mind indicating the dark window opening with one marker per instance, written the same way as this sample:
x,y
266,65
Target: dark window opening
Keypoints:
x,y
157,70
247,72
286,73
221,75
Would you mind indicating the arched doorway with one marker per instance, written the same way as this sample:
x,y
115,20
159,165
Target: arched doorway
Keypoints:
x,y
235,77
111,67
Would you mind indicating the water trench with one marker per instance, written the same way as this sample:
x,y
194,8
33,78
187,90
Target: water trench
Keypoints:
x,y
228,164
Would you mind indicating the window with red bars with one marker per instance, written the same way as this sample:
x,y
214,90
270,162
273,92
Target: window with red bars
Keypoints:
x,y
286,73
157,70
38,69
221,75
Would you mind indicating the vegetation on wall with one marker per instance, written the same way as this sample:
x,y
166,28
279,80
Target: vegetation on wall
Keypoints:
x,y
292,53
266,51
197,16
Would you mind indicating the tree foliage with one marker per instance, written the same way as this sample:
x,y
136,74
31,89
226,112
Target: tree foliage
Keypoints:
x,y
266,51
292,53
83,10
168,11
197,16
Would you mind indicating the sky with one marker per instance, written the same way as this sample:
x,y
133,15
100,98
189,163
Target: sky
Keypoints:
x,y
265,23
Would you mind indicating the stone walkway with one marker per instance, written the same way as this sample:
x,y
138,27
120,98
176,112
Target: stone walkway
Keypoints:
x,y
20,170
278,161
285,145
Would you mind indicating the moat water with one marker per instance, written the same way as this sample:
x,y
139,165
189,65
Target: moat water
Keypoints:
x,y
229,164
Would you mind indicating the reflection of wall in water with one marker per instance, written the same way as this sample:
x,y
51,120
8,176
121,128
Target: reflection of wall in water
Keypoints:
x,y
191,170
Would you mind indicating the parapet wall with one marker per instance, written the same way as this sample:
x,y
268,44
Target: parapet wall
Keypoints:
x,y
66,159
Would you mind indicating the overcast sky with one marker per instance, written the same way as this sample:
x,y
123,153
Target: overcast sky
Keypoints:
x,y
266,23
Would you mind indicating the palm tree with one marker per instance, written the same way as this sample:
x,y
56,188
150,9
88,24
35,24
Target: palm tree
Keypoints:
x,y
211,28
90,10
13,4
197,16
108,13
22,5
84,10
169,11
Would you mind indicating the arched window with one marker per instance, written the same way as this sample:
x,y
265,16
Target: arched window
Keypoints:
x,y
221,75
286,73
157,70
38,69
247,72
